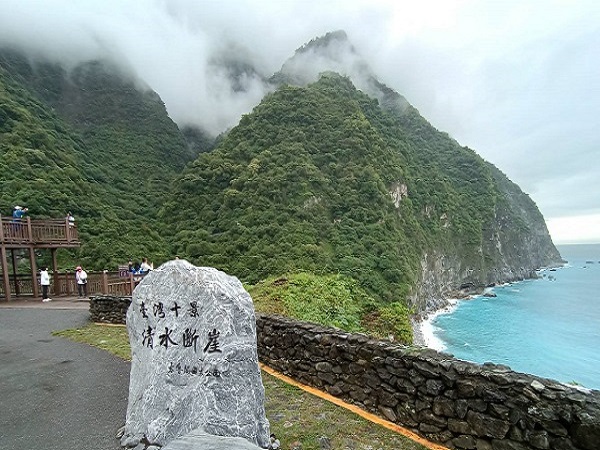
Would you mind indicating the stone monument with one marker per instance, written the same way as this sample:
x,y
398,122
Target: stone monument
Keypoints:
x,y
194,360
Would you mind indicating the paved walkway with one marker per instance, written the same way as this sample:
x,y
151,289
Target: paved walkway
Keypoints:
x,y
56,303
56,394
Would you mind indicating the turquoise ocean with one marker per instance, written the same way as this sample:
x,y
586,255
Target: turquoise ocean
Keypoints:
x,y
548,327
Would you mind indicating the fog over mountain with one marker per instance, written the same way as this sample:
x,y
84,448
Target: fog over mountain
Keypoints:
x,y
518,81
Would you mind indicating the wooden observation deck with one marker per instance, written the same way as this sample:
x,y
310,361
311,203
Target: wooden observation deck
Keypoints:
x,y
31,234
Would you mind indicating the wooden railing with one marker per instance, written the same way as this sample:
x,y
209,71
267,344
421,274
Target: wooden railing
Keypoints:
x,y
114,283
27,231
64,284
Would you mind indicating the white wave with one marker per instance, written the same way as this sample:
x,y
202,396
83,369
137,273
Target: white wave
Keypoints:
x,y
431,340
428,329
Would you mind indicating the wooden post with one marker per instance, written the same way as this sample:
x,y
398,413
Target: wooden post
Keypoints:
x,y
3,255
105,282
55,285
131,283
29,231
67,283
68,229
5,279
34,278
14,266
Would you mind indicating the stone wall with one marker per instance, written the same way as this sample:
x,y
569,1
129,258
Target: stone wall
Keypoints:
x,y
109,309
459,404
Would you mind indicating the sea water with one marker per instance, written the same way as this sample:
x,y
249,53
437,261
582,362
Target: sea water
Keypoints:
x,y
548,327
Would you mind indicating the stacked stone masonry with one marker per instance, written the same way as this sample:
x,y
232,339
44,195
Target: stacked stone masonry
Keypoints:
x,y
108,309
459,404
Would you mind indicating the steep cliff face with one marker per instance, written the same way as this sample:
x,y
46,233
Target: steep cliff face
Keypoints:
x,y
515,244
510,240
440,278
519,233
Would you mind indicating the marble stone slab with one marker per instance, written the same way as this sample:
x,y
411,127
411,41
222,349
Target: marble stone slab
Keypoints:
x,y
198,440
194,359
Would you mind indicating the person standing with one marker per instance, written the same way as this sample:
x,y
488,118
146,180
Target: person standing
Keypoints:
x,y
145,267
45,282
81,278
18,214
71,219
274,442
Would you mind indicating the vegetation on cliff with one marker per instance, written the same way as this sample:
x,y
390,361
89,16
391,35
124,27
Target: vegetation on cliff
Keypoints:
x,y
321,189
321,179
93,143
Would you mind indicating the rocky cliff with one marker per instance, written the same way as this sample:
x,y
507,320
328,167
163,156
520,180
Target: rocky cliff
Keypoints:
x,y
515,244
507,239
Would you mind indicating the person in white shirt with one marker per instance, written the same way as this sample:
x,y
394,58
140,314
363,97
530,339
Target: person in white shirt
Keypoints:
x,y
145,267
274,442
71,219
81,278
45,282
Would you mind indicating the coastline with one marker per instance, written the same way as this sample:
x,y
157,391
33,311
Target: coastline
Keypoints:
x,y
424,330
422,325
540,320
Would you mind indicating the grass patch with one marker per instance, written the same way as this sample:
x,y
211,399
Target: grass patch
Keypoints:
x,y
295,415
113,339
331,300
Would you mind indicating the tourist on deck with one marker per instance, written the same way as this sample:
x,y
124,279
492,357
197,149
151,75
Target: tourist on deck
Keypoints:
x,y
45,282
18,214
70,219
81,278
145,267
136,270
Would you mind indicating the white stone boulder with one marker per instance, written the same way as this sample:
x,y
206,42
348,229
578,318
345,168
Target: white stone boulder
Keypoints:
x,y
194,359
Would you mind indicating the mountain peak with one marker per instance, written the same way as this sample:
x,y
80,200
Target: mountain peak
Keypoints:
x,y
334,52
333,38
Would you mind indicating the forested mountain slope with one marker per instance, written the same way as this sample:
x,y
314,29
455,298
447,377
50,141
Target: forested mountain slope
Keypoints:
x,y
480,227
335,197
40,159
322,179
125,151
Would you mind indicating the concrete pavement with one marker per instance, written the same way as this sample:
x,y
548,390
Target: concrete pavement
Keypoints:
x,y
56,394
56,303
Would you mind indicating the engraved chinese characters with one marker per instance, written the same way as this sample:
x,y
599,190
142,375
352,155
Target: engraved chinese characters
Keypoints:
x,y
194,361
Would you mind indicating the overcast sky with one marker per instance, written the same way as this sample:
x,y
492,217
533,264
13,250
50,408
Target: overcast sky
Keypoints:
x,y
517,81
